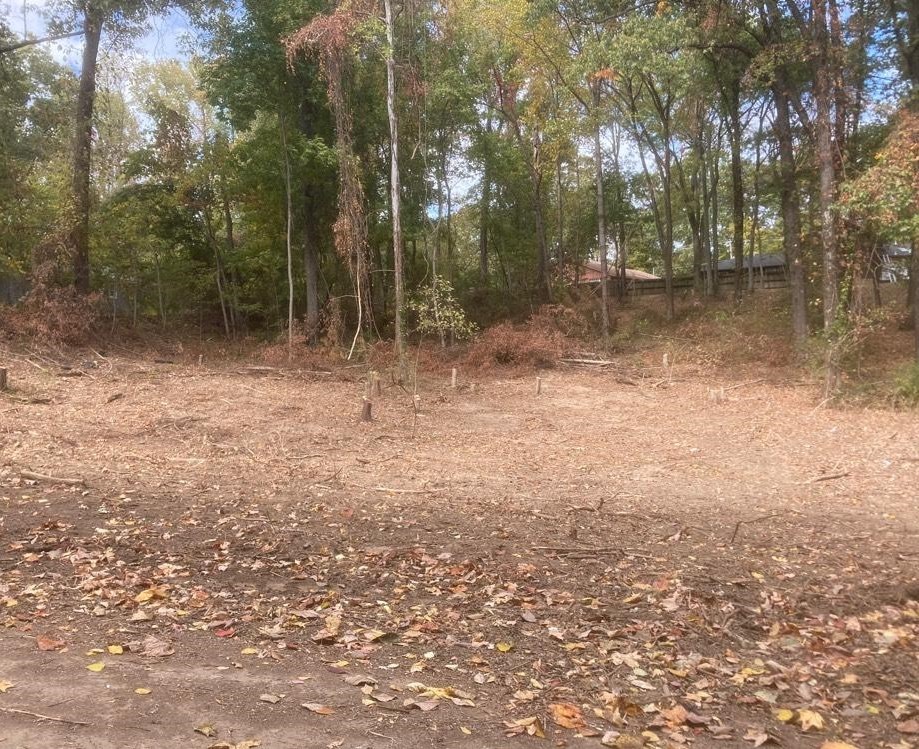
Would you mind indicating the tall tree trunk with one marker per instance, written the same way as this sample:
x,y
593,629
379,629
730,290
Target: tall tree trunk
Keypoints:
x,y
395,187
914,277
707,230
230,247
737,186
560,208
668,222
542,241
823,92
221,295
791,209
78,241
288,237
754,219
159,290
601,217
715,255
311,270
485,207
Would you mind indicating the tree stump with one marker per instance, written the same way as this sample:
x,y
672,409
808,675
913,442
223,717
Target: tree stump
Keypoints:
x,y
367,411
3,380
538,385
453,378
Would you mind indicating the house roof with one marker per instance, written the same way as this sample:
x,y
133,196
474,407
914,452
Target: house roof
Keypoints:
x,y
593,272
773,260
896,251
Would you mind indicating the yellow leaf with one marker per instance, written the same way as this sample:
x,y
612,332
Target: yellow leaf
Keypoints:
x,y
96,667
142,690
95,651
504,647
466,730
206,730
810,719
249,651
5,685
836,745
144,596
872,709
785,715
115,649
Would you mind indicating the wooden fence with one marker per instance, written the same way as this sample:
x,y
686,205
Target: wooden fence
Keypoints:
x,y
763,278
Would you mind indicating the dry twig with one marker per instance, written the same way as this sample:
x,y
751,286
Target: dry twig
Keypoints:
x,y
51,479
751,520
44,717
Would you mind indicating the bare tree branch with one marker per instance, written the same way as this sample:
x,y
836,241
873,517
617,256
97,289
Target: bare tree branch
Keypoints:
x,y
29,42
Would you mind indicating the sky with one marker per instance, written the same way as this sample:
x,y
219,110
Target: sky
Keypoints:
x,y
163,39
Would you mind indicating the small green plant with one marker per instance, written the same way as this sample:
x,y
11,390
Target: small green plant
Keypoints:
x,y
438,313
906,385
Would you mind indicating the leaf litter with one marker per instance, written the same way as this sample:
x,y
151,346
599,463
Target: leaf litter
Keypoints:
x,y
779,638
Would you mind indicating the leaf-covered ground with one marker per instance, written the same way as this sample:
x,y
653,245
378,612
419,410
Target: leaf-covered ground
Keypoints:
x,y
606,564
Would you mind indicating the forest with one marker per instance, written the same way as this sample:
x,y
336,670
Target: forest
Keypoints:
x,y
351,173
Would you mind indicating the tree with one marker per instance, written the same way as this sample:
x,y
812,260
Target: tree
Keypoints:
x,y
395,185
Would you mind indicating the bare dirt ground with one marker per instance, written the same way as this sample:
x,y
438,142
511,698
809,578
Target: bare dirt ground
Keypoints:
x,y
618,562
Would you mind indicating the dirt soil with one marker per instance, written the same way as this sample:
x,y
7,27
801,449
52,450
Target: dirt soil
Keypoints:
x,y
624,560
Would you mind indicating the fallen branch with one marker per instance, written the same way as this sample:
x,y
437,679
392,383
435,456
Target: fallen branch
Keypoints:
x,y
752,520
594,362
744,384
603,550
827,477
20,399
44,717
51,479
402,491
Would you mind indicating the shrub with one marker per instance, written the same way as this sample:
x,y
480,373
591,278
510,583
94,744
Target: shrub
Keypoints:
x,y
438,313
906,385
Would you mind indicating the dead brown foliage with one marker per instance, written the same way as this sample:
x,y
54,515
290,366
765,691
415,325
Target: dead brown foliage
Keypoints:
x,y
52,315
537,343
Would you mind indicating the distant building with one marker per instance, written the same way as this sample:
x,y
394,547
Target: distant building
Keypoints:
x,y
894,263
589,272
760,262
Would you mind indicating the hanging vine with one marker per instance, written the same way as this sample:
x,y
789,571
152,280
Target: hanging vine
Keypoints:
x,y
330,38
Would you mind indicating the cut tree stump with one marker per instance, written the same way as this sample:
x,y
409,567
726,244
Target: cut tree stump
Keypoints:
x,y
3,380
367,411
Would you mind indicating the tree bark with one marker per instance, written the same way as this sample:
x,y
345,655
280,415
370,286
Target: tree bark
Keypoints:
x,y
78,240
395,188
560,208
791,209
485,207
737,186
823,98
601,217
288,238
668,221
914,286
